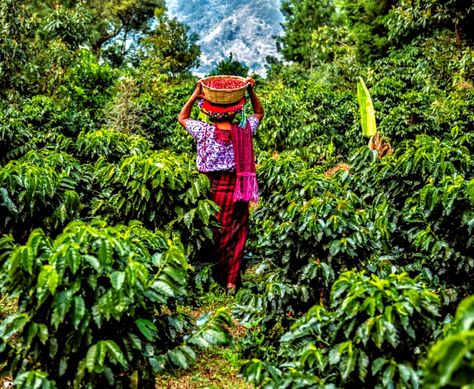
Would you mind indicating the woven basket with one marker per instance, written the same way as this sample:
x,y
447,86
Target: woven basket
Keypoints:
x,y
223,96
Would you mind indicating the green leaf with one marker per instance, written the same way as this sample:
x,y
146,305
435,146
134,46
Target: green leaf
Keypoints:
x,y
465,314
28,259
189,352
73,259
377,364
33,379
7,201
53,347
43,333
334,355
367,112
116,353
117,279
216,337
204,211
48,279
105,252
387,377
199,341
404,373
363,364
91,358
79,311
147,328
62,304
13,324
178,358
135,341
163,288
93,261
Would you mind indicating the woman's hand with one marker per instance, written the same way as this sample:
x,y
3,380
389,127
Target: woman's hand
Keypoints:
x,y
185,113
198,93
250,82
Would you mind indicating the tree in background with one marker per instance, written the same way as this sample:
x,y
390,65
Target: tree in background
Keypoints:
x,y
230,66
170,49
366,22
17,29
111,20
301,19
412,18
36,48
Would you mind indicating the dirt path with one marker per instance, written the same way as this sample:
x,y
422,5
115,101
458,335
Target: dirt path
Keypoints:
x,y
215,368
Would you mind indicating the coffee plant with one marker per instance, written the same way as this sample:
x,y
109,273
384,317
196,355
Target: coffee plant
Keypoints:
x,y
39,189
97,305
367,336
160,189
110,144
449,361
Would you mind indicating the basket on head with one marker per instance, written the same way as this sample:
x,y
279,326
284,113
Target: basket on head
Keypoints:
x,y
216,91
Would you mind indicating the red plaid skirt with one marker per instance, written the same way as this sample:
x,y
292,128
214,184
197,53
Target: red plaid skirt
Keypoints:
x,y
233,217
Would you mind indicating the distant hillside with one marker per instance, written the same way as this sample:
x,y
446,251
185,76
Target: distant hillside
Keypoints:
x,y
242,27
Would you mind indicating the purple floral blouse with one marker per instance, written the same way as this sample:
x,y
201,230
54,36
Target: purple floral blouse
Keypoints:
x,y
214,148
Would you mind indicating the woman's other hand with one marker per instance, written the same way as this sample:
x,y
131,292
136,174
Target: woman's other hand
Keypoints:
x,y
256,105
250,82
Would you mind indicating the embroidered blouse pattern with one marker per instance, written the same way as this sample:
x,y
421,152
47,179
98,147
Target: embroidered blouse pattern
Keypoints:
x,y
214,148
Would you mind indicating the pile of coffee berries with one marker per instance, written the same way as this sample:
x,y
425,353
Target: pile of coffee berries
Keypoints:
x,y
225,83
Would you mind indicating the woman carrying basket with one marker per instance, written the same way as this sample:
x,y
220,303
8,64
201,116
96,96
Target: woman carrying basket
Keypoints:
x,y
225,155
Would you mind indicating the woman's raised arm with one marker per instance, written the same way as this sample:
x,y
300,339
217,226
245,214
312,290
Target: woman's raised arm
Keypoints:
x,y
256,105
185,113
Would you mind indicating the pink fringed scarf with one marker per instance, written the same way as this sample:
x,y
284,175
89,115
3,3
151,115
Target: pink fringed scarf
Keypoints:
x,y
246,188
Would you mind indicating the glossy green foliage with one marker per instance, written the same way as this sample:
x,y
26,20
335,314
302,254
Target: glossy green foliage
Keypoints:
x,y
307,117
39,189
96,306
409,212
110,144
285,110
310,227
366,338
333,123
336,232
450,360
427,184
34,379
160,189
432,95
40,122
159,103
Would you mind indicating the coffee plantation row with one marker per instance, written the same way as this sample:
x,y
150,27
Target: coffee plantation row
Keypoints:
x,y
361,260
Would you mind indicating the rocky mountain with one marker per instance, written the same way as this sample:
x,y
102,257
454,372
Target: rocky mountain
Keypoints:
x,y
244,27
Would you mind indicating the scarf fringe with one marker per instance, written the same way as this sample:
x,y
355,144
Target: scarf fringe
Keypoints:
x,y
246,188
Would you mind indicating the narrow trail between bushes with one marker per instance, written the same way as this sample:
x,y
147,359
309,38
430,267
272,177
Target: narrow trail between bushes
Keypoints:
x,y
216,367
